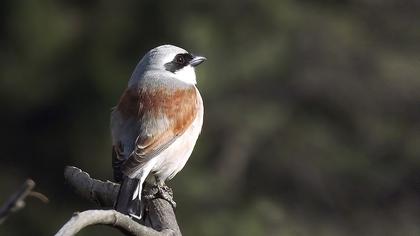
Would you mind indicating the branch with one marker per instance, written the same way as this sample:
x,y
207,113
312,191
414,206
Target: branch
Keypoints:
x,y
107,217
159,215
17,201
102,193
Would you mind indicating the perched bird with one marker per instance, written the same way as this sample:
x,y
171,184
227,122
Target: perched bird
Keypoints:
x,y
155,124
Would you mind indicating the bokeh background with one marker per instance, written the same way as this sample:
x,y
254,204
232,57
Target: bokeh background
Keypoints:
x,y
312,121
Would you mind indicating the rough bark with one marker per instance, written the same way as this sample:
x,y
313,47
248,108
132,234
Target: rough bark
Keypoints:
x,y
159,218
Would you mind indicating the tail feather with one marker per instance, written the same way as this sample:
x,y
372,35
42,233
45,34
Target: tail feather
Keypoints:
x,y
125,203
129,197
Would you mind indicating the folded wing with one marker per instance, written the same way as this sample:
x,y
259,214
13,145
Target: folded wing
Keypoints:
x,y
145,122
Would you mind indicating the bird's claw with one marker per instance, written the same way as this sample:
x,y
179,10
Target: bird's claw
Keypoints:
x,y
166,193
163,192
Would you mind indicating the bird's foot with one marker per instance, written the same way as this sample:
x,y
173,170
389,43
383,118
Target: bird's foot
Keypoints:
x,y
161,191
166,193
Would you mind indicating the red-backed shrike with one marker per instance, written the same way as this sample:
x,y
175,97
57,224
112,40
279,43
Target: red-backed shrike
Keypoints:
x,y
156,123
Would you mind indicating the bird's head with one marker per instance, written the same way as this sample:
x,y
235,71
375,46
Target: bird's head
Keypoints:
x,y
174,60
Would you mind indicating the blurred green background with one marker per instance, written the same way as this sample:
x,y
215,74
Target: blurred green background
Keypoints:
x,y
312,110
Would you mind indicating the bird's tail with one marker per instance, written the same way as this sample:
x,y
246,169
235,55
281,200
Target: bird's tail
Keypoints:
x,y
126,203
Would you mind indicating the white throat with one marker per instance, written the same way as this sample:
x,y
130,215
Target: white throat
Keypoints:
x,y
186,74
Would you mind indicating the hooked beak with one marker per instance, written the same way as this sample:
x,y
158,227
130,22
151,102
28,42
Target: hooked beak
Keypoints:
x,y
197,60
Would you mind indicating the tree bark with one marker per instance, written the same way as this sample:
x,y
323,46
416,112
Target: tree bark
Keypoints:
x,y
111,218
159,218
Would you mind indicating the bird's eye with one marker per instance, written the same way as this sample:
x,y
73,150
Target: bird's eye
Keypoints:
x,y
180,59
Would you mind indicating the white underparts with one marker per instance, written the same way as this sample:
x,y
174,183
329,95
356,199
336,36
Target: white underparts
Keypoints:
x,y
186,74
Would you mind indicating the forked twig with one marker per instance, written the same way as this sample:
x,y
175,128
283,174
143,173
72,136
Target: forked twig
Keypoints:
x,y
17,200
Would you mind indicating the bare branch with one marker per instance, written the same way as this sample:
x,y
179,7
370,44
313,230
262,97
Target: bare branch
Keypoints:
x,y
39,196
107,217
100,192
17,201
159,216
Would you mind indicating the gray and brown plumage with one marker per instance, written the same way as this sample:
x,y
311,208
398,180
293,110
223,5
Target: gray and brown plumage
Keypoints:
x,y
156,123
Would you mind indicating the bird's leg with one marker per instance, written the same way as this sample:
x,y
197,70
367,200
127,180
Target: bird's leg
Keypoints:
x,y
166,193
161,190
152,192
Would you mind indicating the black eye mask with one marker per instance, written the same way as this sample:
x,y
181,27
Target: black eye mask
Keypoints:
x,y
180,61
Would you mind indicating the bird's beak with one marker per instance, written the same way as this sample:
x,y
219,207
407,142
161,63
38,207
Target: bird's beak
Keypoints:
x,y
197,60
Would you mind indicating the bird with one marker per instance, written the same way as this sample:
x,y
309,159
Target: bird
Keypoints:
x,y
155,124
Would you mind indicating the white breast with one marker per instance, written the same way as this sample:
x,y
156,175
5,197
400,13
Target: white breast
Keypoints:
x,y
170,161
